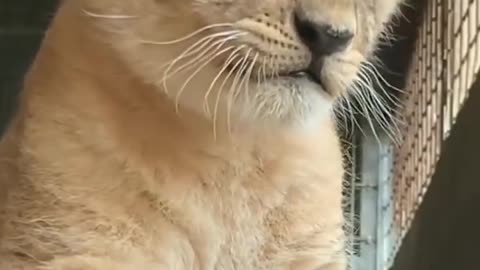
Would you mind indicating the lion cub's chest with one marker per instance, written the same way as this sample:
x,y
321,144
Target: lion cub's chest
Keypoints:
x,y
260,226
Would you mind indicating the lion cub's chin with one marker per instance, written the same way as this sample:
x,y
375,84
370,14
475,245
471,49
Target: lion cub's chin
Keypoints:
x,y
283,103
289,104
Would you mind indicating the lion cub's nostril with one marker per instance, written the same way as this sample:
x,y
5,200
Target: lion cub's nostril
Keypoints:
x,y
321,39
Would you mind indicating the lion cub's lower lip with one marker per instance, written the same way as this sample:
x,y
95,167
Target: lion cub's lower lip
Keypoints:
x,y
310,77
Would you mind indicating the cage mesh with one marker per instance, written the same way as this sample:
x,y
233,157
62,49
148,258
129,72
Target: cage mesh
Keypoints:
x,y
444,68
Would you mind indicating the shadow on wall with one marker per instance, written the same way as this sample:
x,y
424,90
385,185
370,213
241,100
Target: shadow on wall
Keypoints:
x,y
445,234
22,23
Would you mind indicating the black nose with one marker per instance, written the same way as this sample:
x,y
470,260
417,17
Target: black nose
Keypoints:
x,y
321,39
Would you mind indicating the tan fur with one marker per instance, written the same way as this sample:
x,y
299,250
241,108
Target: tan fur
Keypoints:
x,y
103,168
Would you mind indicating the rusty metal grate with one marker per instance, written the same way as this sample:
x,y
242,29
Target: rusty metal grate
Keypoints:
x,y
445,65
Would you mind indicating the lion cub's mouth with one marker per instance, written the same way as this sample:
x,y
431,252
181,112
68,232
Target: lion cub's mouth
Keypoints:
x,y
304,74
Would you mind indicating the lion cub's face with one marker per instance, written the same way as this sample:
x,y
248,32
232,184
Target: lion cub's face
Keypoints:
x,y
280,60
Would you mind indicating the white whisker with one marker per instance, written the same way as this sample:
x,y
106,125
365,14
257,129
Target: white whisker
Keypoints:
x,y
351,105
379,108
362,102
234,88
222,87
216,54
193,62
227,63
379,75
108,16
376,104
248,77
188,36
379,79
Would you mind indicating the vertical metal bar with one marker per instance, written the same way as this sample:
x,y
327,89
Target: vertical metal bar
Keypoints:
x,y
384,216
370,158
352,206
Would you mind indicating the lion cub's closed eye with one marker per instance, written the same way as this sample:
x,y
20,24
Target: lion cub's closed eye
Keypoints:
x,y
186,134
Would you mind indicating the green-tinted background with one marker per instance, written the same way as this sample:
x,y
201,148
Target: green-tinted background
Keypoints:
x,y
22,23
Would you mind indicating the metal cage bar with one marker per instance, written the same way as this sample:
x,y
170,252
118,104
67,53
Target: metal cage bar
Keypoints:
x,y
445,66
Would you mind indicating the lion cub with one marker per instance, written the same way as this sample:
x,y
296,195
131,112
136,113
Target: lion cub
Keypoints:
x,y
184,134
